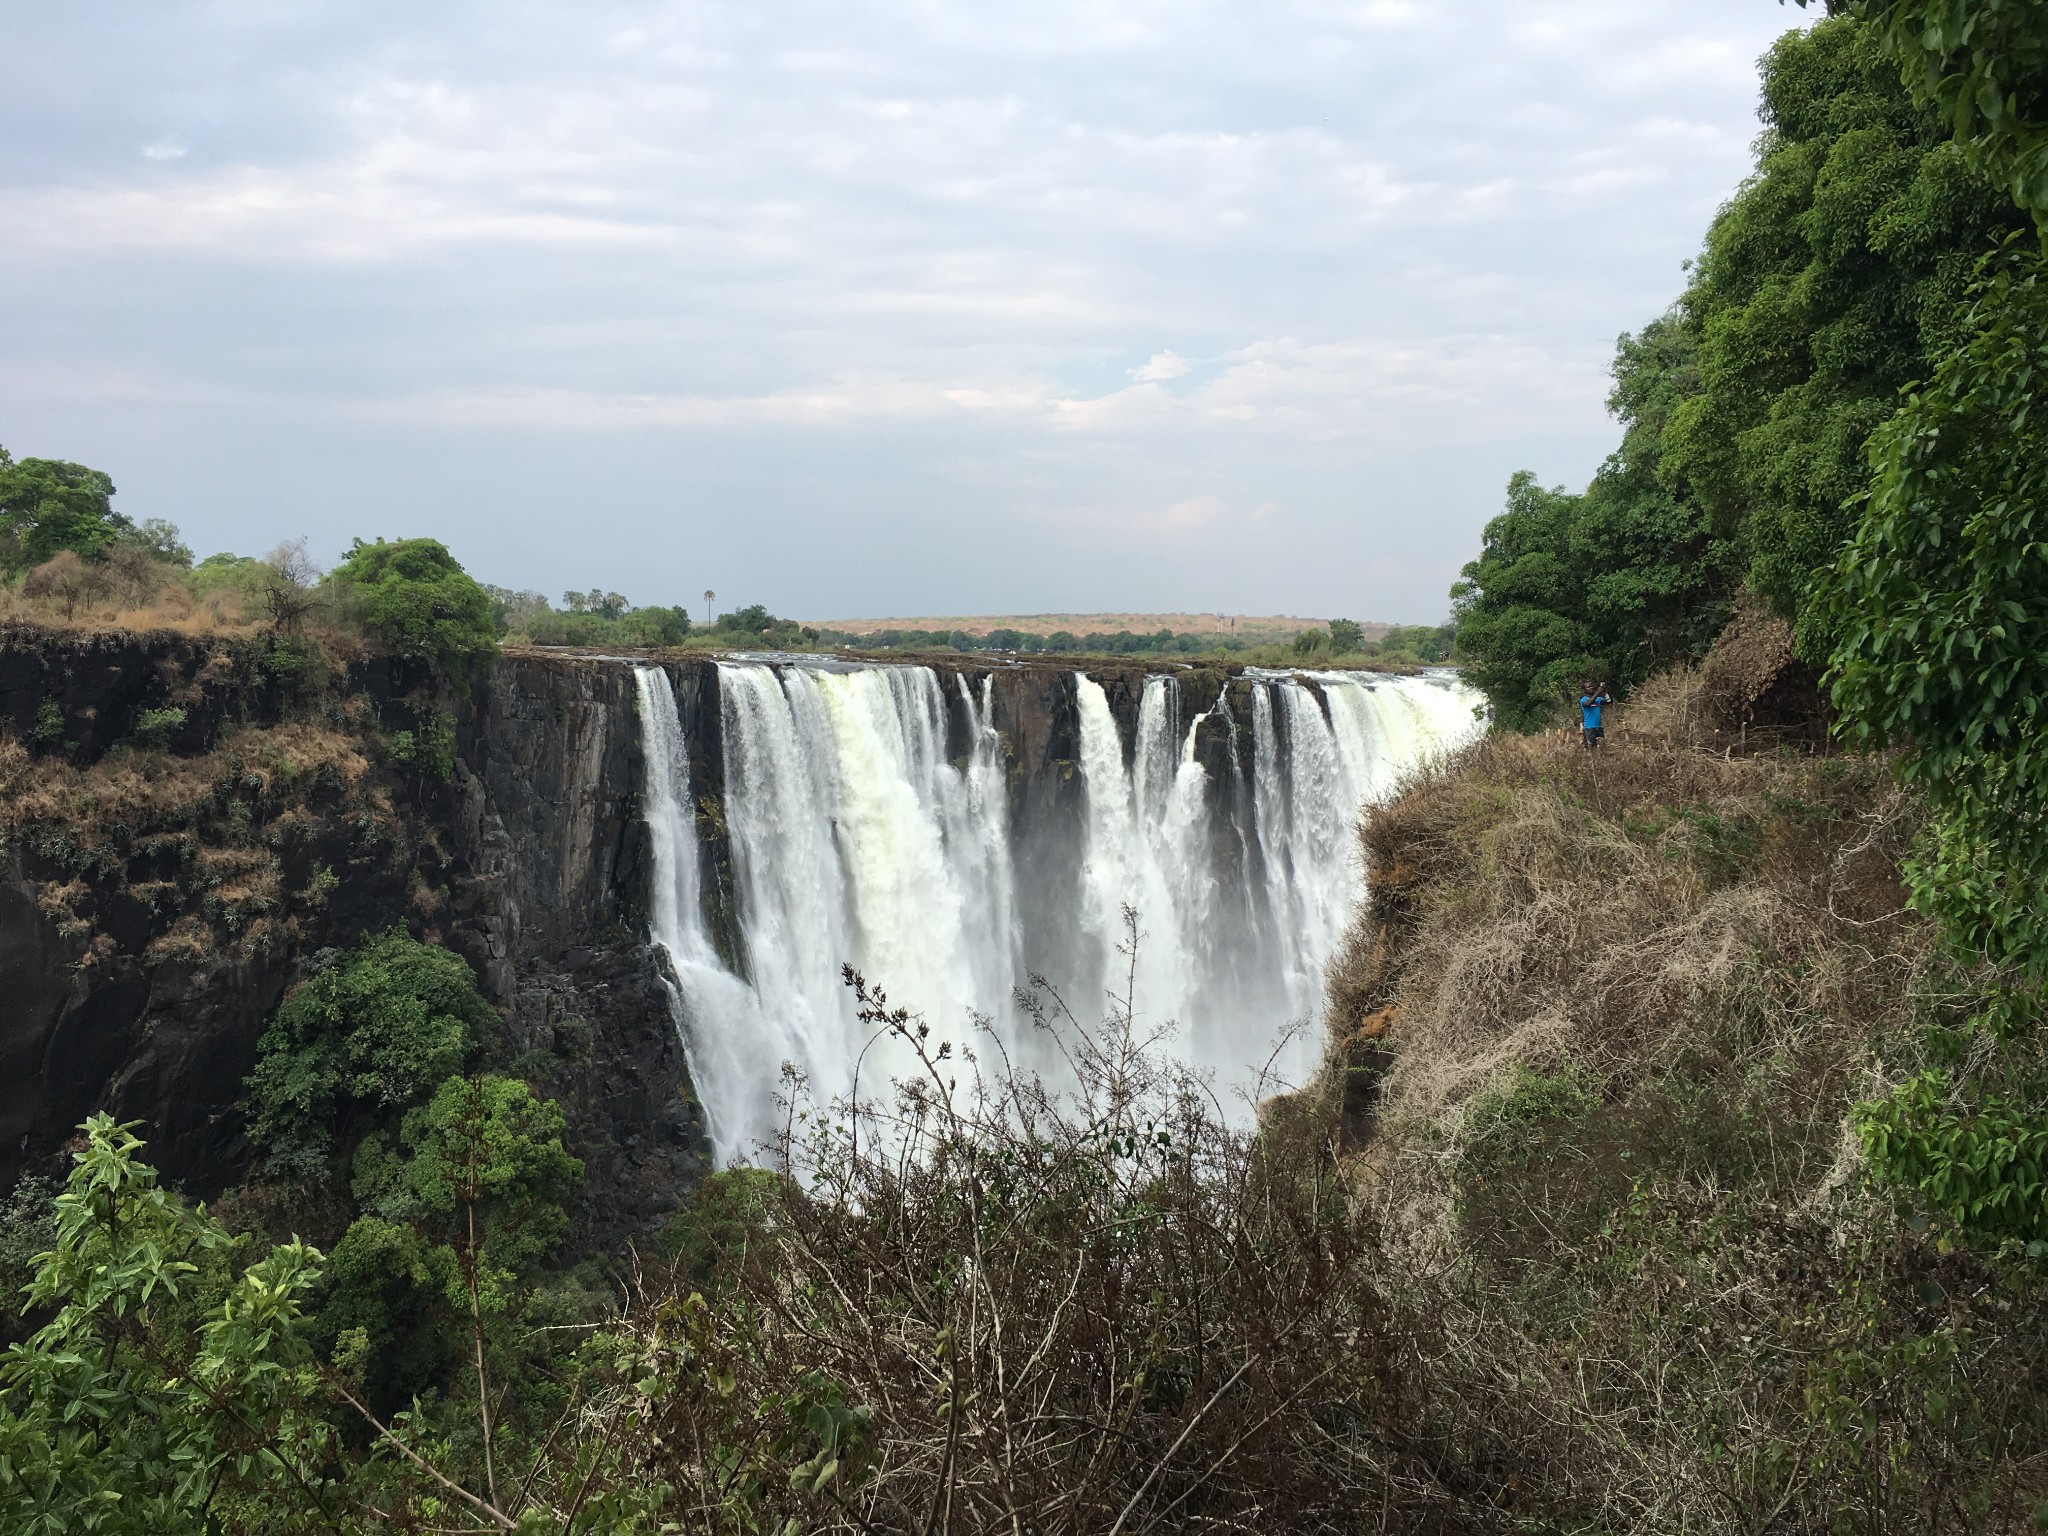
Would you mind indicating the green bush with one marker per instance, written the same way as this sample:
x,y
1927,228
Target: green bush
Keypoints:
x,y
375,1031
154,726
168,1396
431,748
416,601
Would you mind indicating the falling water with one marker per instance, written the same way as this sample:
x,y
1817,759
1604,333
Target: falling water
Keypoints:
x,y
855,839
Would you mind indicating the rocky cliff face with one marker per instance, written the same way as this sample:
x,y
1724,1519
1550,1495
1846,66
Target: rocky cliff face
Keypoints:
x,y
160,892
189,823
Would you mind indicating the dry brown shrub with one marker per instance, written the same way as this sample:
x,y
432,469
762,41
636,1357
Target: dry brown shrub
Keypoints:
x,y
189,940
66,583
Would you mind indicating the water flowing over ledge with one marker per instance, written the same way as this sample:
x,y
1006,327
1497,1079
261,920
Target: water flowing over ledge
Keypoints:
x,y
883,816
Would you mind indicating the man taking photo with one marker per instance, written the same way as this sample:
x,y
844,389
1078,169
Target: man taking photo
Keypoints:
x,y
1591,702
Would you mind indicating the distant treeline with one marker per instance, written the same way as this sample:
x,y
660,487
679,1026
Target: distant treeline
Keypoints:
x,y
599,618
64,549
1420,643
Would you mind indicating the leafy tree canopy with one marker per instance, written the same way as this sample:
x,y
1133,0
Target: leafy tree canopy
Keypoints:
x,y
49,505
1604,586
376,1030
1984,65
417,601
1831,280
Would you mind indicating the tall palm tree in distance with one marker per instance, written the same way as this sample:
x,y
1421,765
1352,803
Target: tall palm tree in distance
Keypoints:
x,y
710,601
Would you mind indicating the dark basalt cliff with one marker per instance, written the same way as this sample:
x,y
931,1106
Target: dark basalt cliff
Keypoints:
x,y
154,912
157,904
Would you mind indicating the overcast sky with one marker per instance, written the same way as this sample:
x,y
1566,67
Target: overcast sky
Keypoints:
x,y
856,308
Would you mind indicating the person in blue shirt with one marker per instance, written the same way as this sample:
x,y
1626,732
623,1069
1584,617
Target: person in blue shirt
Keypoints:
x,y
1591,702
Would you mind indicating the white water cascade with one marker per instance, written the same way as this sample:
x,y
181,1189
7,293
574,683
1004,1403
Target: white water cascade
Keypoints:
x,y
854,839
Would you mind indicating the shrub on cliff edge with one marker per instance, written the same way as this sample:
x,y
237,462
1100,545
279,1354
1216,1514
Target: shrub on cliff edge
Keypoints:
x,y
413,598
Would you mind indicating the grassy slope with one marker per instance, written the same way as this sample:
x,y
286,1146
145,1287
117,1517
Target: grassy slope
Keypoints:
x,y
1617,1010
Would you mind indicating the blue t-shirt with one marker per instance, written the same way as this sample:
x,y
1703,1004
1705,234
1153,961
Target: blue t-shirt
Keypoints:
x,y
1589,709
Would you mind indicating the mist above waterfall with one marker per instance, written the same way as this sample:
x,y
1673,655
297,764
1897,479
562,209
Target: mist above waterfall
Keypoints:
x,y
879,816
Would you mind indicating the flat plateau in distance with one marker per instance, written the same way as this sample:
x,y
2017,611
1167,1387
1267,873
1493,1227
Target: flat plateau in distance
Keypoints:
x,y
1253,630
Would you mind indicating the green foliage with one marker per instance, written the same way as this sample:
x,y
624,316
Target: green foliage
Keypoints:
x,y
484,1157
1829,281
374,1031
155,726
49,722
1984,65
1944,646
27,1229
159,540
728,1213
382,1312
1934,609
755,628
655,626
1979,1156
48,505
1497,1126
431,747
1944,654
243,575
1346,636
460,1212
415,600
138,1410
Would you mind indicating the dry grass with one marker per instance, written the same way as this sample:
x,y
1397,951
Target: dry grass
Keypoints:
x,y
200,841
133,792
174,610
1542,897
1607,1016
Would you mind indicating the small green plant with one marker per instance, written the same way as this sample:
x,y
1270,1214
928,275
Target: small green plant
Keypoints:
x,y
49,722
155,726
431,748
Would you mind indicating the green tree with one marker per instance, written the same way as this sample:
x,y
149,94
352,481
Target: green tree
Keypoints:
x,y
1608,585
1833,278
160,540
49,505
136,1409
460,1217
416,601
375,1031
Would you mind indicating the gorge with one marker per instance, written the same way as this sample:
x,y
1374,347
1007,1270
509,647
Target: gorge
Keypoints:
x,y
656,868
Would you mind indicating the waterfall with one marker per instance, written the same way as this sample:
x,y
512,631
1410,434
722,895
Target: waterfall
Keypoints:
x,y
855,839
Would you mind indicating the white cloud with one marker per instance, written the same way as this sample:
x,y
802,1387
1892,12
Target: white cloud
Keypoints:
x,y
1161,367
943,231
